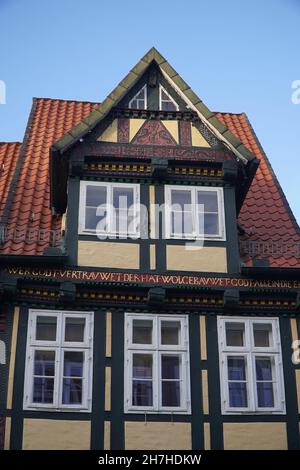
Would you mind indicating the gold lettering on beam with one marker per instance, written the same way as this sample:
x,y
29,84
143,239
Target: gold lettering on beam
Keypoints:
x,y
142,278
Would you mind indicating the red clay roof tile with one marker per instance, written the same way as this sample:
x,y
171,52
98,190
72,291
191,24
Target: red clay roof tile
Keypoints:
x,y
9,153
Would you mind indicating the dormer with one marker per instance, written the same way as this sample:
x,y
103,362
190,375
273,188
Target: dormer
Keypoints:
x,y
151,146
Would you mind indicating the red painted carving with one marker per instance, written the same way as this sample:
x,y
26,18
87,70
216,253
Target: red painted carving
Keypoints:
x,y
185,133
178,152
153,133
123,130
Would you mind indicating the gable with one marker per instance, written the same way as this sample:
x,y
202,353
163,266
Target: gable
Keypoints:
x,y
207,117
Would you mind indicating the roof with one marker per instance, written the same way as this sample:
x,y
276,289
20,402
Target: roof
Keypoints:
x,y
207,117
265,215
30,219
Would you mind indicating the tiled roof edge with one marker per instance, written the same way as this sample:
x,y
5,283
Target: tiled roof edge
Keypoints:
x,y
15,178
276,181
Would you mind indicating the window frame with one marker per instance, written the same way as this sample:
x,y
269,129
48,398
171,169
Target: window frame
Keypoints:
x,y
109,188
144,89
162,89
59,346
221,236
250,352
157,350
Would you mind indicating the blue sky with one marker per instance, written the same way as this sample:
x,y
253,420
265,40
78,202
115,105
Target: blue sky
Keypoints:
x,y
236,55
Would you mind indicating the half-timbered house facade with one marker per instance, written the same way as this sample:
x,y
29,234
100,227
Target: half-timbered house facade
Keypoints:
x,y
149,277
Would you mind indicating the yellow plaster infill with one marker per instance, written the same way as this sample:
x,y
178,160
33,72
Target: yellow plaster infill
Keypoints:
x,y
110,134
12,359
294,329
205,402
207,445
7,434
197,138
152,257
172,128
108,254
255,436
203,350
206,259
106,435
298,387
108,335
51,434
157,436
134,127
107,388
152,214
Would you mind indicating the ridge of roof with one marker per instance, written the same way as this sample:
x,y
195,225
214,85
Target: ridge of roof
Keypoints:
x,y
45,98
208,117
12,142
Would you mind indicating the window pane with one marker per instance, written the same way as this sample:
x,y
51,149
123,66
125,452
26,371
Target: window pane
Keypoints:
x,y
73,363
182,198
262,335
235,334
96,195
140,94
170,367
211,224
122,198
265,395
46,328
43,390
171,393
182,222
263,368
170,332
72,391
74,329
142,366
142,331
236,368
238,395
44,363
92,219
168,106
166,103
209,199
181,215
142,394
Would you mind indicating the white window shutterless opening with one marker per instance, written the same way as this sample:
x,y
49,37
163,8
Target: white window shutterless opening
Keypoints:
x,y
166,102
59,358
194,212
157,378
250,365
139,101
109,209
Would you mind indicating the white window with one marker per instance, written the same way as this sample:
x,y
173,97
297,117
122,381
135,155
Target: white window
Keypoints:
x,y
194,212
166,102
109,209
250,365
59,361
156,364
139,101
